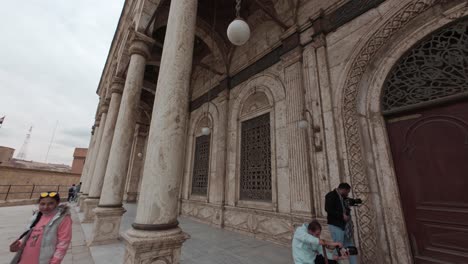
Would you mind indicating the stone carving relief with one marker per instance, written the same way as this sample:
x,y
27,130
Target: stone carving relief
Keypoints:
x,y
367,230
262,225
435,69
204,212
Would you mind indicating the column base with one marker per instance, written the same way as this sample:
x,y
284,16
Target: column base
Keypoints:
x,y
159,247
80,202
89,205
106,225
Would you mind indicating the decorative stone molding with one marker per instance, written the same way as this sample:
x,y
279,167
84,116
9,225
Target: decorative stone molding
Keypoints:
x,y
117,85
163,247
203,212
366,214
104,107
141,44
292,57
265,225
319,41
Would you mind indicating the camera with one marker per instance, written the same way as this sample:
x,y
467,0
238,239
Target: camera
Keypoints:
x,y
352,202
347,250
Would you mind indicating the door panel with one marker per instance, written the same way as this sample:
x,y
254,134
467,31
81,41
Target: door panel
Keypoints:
x,y
430,154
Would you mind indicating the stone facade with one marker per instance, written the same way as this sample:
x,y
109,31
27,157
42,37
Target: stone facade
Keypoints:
x,y
319,62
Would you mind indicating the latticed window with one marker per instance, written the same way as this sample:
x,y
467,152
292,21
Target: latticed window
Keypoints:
x,y
255,167
436,68
201,165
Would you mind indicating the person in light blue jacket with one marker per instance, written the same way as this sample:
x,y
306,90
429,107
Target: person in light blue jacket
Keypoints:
x,y
307,245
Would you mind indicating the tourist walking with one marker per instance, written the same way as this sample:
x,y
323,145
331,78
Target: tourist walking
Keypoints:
x,y
48,236
71,192
77,192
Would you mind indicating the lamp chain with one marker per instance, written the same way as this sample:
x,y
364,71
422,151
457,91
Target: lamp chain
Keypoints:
x,y
238,7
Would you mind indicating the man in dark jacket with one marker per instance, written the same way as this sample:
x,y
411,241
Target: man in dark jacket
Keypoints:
x,y
339,217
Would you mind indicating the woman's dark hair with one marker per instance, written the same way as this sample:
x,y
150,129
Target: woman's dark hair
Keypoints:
x,y
33,224
314,226
56,197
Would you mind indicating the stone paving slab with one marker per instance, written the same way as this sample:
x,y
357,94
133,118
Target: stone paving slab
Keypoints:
x,y
207,245
13,221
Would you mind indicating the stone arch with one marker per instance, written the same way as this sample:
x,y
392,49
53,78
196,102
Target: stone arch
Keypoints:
x,y
208,111
367,150
202,30
274,94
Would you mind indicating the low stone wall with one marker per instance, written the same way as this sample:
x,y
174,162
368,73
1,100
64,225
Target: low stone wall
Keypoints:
x,y
27,181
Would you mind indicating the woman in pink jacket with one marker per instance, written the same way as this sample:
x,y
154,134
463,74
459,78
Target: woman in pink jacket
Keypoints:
x,y
49,234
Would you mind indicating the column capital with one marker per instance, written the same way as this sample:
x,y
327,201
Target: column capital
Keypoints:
x,y
105,106
141,44
319,41
117,85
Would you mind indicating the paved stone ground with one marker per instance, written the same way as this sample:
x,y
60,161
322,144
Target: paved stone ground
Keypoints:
x,y
13,221
207,245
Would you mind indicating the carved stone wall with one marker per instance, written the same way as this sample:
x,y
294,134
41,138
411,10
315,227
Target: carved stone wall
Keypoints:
x,y
367,217
333,66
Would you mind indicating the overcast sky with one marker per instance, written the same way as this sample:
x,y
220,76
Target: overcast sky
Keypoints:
x,y
52,53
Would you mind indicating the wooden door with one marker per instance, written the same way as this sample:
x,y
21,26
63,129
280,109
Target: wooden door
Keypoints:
x,y
430,155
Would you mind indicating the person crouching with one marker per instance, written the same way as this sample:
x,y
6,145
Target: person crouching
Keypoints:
x,y
307,245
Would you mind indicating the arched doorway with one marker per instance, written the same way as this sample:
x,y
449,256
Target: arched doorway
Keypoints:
x,y
425,104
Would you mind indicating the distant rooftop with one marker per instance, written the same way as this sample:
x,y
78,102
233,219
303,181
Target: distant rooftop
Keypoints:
x,y
80,152
26,164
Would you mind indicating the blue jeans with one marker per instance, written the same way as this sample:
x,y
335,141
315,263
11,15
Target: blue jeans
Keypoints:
x,y
338,235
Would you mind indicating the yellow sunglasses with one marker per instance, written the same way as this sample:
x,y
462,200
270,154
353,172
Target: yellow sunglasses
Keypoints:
x,y
48,194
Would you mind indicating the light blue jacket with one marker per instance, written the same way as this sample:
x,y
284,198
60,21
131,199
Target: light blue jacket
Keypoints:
x,y
305,246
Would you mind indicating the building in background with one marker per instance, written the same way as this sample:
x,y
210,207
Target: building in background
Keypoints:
x,y
79,156
23,179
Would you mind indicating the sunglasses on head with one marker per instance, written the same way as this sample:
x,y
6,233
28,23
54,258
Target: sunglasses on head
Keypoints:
x,y
48,194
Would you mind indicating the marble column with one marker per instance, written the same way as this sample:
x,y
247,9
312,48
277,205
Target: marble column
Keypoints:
x,y
109,211
299,166
92,164
84,175
135,167
104,149
155,236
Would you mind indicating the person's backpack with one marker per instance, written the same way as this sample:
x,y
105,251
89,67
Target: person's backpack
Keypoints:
x,y
71,190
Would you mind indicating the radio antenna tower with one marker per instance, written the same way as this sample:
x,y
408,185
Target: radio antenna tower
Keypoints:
x,y
24,147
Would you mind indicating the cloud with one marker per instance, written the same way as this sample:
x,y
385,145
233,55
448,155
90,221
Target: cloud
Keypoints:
x,y
52,59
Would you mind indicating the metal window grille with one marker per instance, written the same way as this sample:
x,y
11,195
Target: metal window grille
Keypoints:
x,y
201,165
255,167
435,68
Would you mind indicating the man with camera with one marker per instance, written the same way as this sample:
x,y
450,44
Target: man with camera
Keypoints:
x,y
337,205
